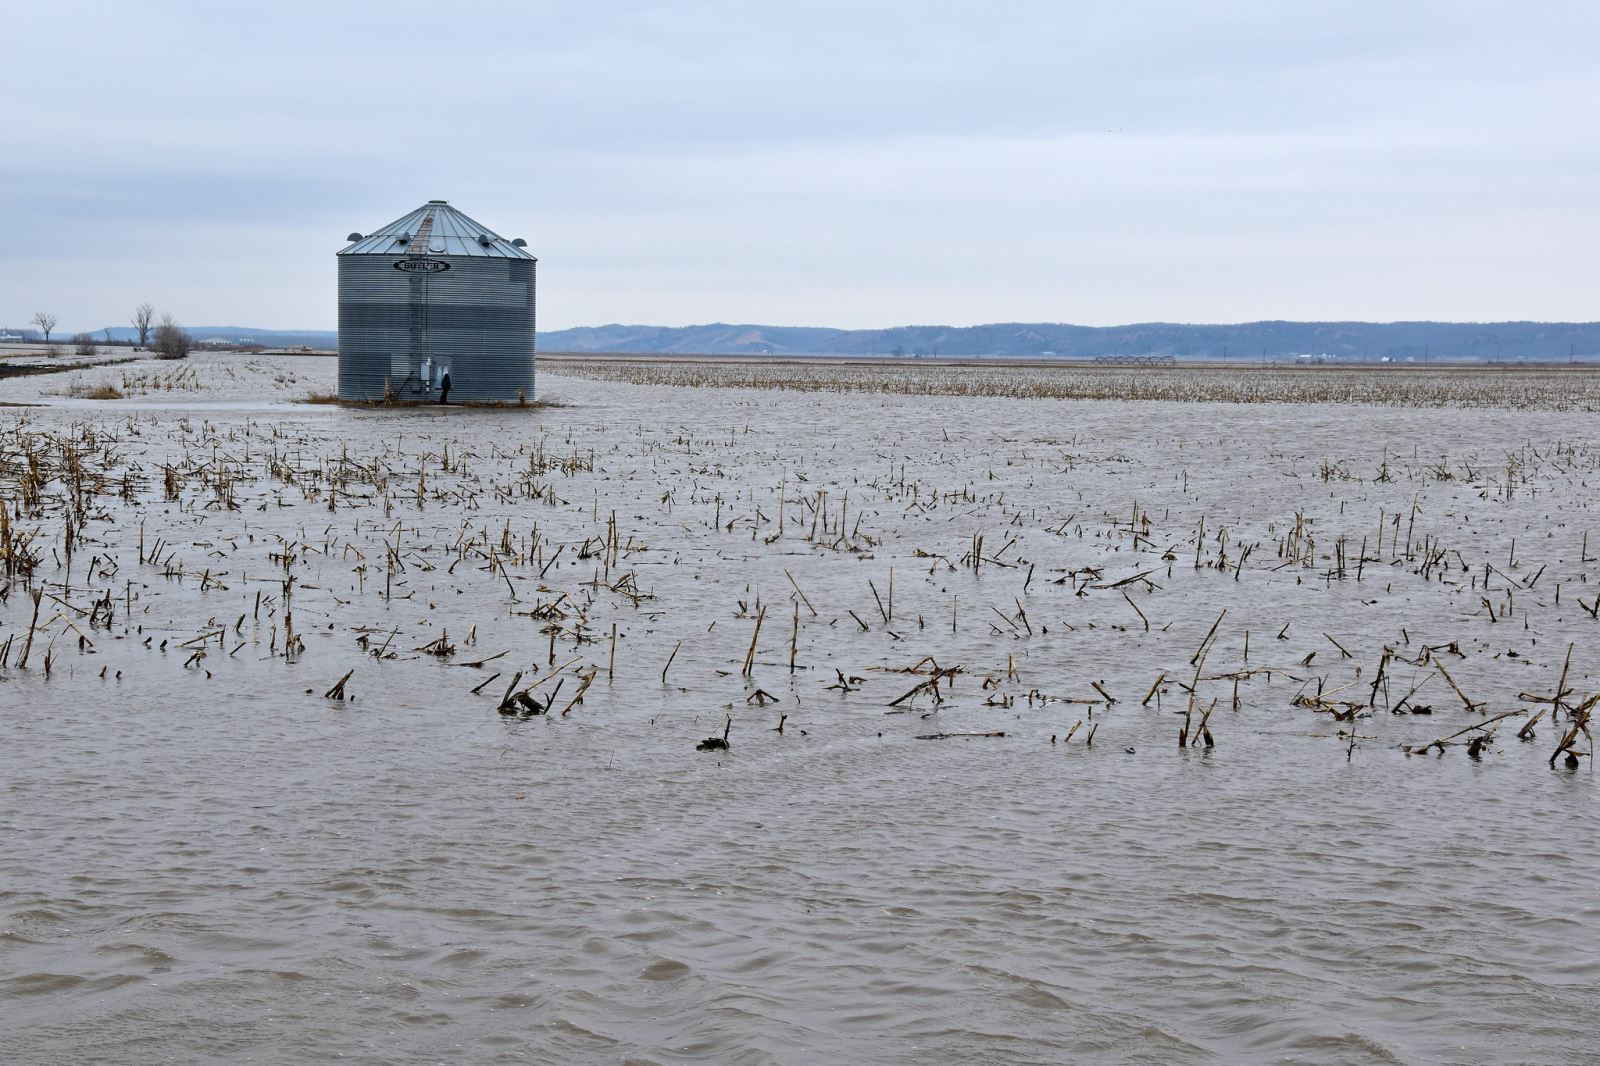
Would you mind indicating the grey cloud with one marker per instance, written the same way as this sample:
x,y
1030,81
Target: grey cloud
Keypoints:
x,y
824,163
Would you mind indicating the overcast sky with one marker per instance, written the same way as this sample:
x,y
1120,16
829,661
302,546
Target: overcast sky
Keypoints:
x,y
848,164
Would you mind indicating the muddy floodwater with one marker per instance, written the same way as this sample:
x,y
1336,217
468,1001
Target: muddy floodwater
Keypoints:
x,y
1056,730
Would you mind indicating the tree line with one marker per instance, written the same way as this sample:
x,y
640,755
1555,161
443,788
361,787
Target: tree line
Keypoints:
x,y
171,341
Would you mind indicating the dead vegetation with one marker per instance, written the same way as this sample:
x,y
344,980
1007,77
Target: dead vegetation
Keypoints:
x,y
102,391
1543,389
1003,585
161,379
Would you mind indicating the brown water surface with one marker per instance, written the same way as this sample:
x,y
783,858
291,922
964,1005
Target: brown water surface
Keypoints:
x,y
211,861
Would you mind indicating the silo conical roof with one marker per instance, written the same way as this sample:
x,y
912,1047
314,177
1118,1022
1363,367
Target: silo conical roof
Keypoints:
x,y
436,228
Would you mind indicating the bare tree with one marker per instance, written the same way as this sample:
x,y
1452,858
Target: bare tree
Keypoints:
x,y
46,322
171,341
143,315
83,346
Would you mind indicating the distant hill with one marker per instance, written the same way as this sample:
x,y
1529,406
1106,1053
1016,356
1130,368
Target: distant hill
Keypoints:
x,y
1345,340
717,338
1400,341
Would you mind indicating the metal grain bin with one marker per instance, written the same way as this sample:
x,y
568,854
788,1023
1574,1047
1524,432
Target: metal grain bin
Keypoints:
x,y
435,292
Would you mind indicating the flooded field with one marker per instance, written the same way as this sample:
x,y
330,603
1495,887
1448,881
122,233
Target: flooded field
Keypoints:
x,y
1548,388
698,722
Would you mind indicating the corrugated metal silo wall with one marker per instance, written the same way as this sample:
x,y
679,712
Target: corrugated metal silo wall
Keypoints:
x,y
477,316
